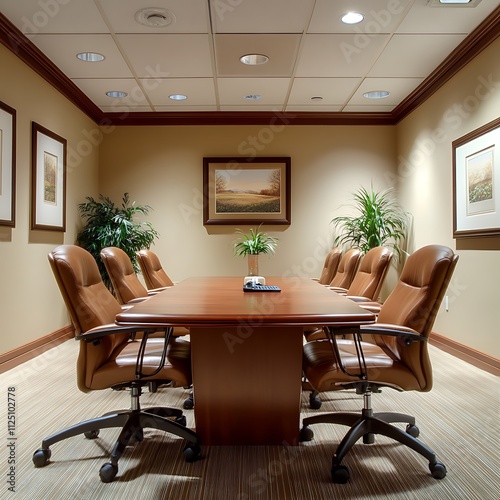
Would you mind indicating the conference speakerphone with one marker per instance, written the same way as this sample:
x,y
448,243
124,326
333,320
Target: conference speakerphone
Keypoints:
x,y
251,286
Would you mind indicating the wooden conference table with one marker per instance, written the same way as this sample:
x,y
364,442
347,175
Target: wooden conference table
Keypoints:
x,y
246,350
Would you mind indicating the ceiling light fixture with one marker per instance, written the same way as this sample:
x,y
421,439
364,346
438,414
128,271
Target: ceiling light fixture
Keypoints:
x,y
454,1
177,97
252,97
352,18
254,59
376,94
316,98
90,56
154,17
116,94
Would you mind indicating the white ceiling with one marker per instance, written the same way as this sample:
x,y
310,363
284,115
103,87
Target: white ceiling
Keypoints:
x,y
311,53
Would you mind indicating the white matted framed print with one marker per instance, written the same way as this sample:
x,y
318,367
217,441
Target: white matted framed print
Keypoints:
x,y
7,165
48,184
476,183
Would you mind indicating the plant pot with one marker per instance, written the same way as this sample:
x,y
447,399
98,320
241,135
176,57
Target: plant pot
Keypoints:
x,y
253,265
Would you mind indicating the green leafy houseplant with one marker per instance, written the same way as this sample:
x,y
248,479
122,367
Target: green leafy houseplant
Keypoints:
x,y
252,245
379,221
109,225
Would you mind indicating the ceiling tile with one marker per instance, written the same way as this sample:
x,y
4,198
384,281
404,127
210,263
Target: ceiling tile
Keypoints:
x,y
188,16
334,91
199,91
381,16
233,90
281,50
261,16
414,55
62,50
52,16
367,109
96,90
168,55
324,108
423,18
398,87
339,55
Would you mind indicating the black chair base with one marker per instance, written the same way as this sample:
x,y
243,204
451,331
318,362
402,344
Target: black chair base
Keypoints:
x,y
366,425
132,423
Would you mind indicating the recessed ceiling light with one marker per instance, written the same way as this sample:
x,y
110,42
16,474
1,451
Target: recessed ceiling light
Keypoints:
x,y
177,97
454,1
90,56
316,98
116,93
154,17
254,59
352,18
376,94
252,97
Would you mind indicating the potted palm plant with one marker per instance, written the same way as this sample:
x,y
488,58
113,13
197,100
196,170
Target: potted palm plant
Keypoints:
x,y
253,244
109,225
379,221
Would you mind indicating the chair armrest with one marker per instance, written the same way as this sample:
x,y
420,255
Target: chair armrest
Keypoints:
x,y
373,307
358,298
407,334
111,329
338,289
154,291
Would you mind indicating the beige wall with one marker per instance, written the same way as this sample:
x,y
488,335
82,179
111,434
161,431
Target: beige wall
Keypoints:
x,y
30,304
162,167
468,101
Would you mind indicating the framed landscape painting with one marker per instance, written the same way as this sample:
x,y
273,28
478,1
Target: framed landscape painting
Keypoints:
x,y
246,190
48,184
476,183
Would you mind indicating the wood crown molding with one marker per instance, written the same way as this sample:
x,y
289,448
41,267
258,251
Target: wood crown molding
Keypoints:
x,y
477,41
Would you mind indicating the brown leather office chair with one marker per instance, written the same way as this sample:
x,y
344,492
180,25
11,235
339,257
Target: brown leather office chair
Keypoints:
x,y
152,270
396,356
330,266
346,271
109,357
125,282
370,275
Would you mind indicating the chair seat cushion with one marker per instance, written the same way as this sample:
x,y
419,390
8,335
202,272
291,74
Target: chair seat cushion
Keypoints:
x,y
120,368
324,374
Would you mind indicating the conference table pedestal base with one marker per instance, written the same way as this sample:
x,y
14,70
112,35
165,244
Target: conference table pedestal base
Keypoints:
x,y
247,384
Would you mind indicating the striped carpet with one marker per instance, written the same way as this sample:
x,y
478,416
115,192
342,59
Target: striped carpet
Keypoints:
x,y
459,419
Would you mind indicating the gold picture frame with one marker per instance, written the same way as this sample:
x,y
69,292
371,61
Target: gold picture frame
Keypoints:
x,y
246,190
48,186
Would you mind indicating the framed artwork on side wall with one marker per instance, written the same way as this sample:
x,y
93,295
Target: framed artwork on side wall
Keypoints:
x,y
48,183
476,183
7,165
246,191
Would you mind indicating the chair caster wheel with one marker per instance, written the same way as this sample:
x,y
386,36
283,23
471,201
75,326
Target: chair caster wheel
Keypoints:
x,y
413,430
91,434
108,472
306,434
192,452
181,420
188,403
314,401
340,474
41,457
438,470
137,437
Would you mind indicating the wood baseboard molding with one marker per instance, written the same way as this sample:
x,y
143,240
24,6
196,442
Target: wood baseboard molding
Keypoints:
x,y
476,358
29,351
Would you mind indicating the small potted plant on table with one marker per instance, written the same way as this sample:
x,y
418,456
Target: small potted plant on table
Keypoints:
x,y
252,245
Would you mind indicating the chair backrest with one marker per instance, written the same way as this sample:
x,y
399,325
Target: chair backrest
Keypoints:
x,y
89,303
330,266
347,269
125,282
371,273
414,303
152,270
